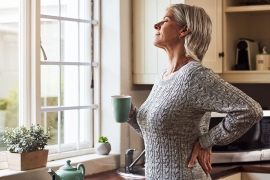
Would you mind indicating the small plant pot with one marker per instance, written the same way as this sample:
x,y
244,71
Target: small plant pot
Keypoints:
x,y
25,161
103,148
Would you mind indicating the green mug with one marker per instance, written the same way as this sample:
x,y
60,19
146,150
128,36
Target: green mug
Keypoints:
x,y
121,107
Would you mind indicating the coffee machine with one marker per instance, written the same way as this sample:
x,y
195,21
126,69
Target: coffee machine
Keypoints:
x,y
246,54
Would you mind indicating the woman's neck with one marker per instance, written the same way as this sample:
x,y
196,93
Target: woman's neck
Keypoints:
x,y
174,66
176,63
176,58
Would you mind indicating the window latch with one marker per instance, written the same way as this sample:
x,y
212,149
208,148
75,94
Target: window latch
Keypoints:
x,y
94,22
94,64
43,52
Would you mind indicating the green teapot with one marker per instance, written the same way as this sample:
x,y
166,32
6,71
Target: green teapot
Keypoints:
x,y
68,172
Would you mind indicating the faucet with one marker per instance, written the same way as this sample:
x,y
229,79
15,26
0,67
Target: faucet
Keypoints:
x,y
129,163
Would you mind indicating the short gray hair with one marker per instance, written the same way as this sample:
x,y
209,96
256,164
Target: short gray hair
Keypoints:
x,y
200,26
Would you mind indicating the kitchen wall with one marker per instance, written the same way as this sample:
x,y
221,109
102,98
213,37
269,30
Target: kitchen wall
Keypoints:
x,y
116,74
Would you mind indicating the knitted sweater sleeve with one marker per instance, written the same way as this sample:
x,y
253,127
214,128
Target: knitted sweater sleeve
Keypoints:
x,y
134,124
209,93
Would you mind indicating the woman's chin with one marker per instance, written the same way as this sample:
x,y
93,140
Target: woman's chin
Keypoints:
x,y
157,44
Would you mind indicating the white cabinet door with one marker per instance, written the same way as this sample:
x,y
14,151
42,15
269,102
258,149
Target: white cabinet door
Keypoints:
x,y
148,60
233,177
255,176
213,57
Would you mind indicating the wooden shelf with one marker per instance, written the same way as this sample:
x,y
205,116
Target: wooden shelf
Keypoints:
x,y
253,8
247,72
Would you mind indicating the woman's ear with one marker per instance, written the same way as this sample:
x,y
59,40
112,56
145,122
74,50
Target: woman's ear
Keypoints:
x,y
184,31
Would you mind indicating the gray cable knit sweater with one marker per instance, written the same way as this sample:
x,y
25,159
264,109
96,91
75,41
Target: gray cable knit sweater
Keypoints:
x,y
176,114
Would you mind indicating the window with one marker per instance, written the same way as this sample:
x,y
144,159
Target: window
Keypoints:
x,y
9,64
48,72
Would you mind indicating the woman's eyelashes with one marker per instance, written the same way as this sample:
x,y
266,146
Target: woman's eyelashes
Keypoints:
x,y
164,21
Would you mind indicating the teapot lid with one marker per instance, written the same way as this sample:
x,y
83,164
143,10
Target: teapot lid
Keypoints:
x,y
68,167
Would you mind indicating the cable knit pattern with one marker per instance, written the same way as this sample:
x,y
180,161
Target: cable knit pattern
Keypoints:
x,y
177,113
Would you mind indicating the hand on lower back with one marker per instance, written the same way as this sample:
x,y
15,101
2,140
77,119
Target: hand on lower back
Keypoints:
x,y
203,156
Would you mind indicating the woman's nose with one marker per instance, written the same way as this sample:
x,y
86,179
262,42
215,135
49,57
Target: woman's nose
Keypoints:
x,y
157,26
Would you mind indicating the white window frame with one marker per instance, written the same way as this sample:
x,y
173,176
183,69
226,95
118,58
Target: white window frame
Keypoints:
x,y
29,87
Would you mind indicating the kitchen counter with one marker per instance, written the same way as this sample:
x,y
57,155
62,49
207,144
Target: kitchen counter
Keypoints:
x,y
218,171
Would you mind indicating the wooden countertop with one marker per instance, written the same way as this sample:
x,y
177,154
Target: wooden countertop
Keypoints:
x,y
218,171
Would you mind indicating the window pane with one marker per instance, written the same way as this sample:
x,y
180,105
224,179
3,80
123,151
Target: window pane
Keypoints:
x,y
69,41
9,64
50,37
85,9
69,86
49,7
85,41
85,90
67,132
70,126
85,125
50,119
69,8
50,81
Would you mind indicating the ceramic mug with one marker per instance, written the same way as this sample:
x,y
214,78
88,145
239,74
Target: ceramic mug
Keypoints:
x,y
121,107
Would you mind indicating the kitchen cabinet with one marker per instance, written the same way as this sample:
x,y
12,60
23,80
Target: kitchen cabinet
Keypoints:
x,y
247,176
254,176
213,56
148,60
244,22
231,21
236,176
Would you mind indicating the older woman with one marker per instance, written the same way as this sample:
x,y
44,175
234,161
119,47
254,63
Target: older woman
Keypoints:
x,y
174,119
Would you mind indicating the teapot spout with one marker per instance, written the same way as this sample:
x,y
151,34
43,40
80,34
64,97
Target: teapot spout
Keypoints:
x,y
53,174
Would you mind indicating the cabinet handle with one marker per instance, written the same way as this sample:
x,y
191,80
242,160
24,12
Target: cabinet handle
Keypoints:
x,y
221,54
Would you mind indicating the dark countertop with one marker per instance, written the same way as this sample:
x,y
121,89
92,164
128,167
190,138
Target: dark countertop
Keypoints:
x,y
221,170
218,171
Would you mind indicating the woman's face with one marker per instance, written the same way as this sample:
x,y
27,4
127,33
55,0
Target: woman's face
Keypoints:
x,y
167,31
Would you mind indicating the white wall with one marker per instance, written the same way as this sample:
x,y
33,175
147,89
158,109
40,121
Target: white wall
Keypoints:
x,y
116,74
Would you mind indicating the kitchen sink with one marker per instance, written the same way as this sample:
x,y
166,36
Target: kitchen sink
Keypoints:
x,y
136,172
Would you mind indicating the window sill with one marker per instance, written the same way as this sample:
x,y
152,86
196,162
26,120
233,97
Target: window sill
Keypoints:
x,y
93,164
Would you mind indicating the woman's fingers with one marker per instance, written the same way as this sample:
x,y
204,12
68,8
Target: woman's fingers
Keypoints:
x,y
132,110
209,166
191,162
203,156
204,159
195,154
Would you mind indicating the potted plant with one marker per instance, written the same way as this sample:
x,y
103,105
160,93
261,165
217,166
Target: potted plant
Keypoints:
x,y
103,147
26,147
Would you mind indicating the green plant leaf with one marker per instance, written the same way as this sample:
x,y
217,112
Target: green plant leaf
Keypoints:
x,y
21,139
103,139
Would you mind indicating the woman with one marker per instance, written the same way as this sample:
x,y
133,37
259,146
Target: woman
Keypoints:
x,y
174,120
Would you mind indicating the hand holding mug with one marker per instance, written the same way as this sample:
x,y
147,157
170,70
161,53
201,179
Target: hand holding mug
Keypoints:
x,y
132,110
